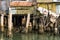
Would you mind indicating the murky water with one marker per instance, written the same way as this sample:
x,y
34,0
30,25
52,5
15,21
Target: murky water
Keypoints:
x,y
30,36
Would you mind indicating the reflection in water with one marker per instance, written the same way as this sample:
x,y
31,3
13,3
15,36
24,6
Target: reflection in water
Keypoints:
x,y
2,37
30,36
11,37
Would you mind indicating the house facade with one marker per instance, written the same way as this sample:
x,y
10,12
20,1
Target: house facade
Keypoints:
x,y
21,6
21,9
52,5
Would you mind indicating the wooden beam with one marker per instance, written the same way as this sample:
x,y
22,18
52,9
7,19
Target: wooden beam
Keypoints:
x,y
28,20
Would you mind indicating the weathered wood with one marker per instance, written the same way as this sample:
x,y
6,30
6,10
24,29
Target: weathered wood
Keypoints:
x,y
10,24
41,30
30,27
28,20
56,28
2,22
10,21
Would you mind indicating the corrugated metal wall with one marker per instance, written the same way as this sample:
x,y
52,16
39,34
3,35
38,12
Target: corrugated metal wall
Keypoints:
x,y
51,6
44,0
22,10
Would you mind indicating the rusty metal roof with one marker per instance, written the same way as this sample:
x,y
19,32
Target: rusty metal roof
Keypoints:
x,y
20,3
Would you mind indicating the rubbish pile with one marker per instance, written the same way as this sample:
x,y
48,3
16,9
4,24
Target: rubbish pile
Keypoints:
x,y
49,21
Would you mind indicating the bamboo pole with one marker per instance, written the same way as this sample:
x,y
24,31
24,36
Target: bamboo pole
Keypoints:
x,y
28,20
2,22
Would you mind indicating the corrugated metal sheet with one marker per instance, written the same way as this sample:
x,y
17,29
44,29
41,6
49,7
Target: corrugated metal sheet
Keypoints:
x,y
44,0
22,10
20,3
51,6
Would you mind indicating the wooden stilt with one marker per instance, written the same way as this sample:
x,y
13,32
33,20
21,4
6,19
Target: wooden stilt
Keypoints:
x,y
2,22
28,20
5,22
56,28
10,24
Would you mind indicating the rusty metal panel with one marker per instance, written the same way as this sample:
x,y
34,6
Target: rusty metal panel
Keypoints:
x,y
20,3
22,10
51,6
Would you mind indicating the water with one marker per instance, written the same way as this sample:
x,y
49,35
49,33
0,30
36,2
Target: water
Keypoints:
x,y
30,36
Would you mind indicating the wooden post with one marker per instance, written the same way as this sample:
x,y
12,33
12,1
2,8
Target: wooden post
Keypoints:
x,y
56,28
28,20
9,23
2,22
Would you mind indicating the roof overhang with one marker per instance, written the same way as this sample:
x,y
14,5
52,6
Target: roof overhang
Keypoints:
x,y
47,2
21,3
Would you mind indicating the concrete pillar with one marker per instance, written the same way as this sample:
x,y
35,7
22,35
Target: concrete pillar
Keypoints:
x,y
28,20
2,22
